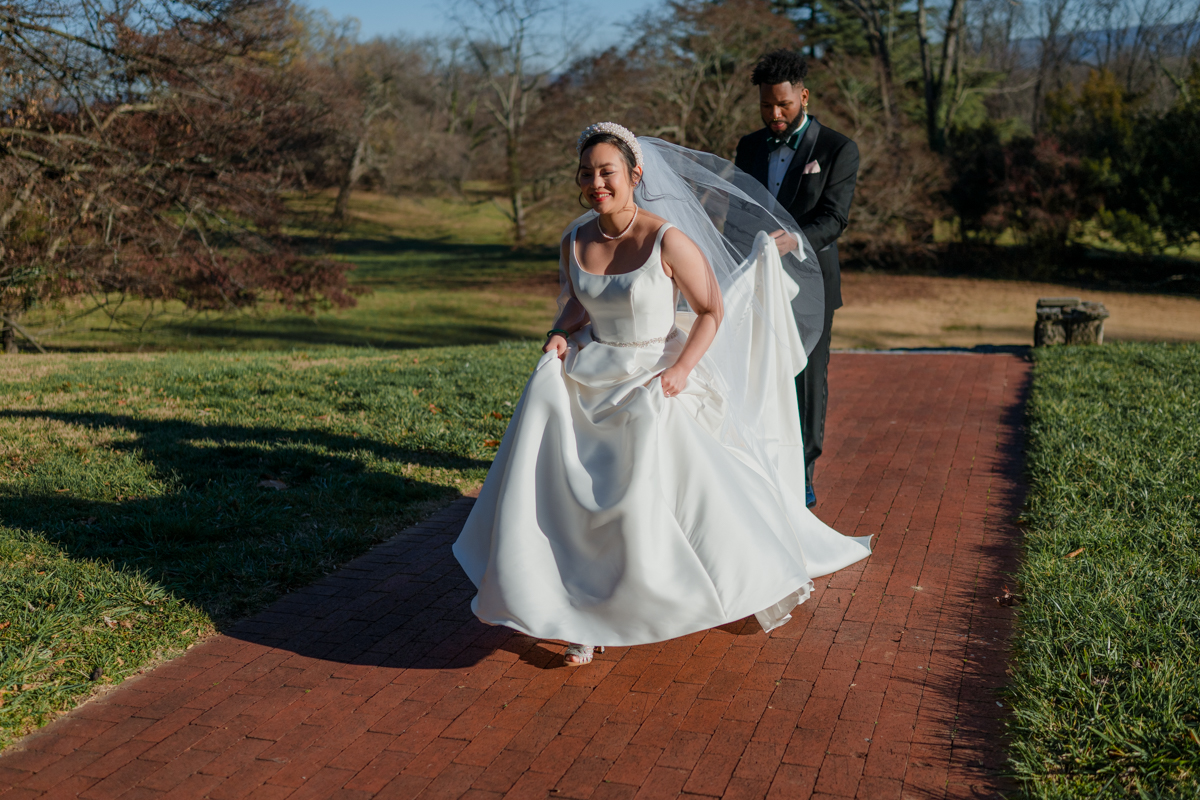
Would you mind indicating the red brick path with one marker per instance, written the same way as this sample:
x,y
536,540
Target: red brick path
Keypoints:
x,y
377,681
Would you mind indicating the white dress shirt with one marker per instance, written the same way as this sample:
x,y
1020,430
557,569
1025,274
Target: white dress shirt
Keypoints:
x,y
780,160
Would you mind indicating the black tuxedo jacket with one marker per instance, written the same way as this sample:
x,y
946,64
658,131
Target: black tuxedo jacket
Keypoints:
x,y
819,201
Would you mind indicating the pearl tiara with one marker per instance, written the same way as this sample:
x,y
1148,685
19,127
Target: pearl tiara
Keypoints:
x,y
620,131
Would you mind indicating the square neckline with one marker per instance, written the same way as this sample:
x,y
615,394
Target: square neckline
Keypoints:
x,y
662,229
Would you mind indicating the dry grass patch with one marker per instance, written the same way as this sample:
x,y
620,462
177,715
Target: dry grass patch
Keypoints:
x,y
885,311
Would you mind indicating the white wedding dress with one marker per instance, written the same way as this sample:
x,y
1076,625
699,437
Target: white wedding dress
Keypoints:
x,y
613,515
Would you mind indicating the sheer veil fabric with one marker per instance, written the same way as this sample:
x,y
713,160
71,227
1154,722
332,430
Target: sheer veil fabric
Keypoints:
x,y
722,210
615,516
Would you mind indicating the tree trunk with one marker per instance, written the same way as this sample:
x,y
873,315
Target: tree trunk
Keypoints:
x,y
516,190
8,340
931,88
342,206
957,96
950,52
886,87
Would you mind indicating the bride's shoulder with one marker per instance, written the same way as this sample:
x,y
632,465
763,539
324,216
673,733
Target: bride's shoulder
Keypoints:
x,y
649,219
649,226
655,224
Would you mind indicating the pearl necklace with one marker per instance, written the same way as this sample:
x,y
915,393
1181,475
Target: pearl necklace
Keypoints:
x,y
622,233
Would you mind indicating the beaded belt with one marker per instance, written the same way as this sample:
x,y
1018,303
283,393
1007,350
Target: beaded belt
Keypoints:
x,y
644,343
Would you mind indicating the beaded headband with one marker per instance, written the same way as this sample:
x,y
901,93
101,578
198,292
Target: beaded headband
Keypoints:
x,y
620,131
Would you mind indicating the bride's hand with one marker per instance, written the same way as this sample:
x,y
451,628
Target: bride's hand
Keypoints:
x,y
674,380
557,343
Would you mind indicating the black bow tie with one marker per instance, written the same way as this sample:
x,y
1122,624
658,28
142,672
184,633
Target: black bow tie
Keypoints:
x,y
792,141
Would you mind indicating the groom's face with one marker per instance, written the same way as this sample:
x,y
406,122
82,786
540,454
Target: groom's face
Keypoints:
x,y
781,105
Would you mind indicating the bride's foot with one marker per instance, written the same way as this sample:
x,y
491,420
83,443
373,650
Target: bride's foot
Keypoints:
x,y
576,655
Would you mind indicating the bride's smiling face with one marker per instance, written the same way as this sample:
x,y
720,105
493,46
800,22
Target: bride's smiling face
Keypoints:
x,y
605,178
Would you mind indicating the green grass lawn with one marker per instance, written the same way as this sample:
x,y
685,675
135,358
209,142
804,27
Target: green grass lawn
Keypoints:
x,y
144,498
1106,686
439,272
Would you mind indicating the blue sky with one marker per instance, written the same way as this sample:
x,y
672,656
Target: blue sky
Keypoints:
x,y
418,18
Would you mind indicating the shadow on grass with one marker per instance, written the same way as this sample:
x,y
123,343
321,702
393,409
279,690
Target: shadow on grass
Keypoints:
x,y
219,537
445,333
401,244
1078,265
433,264
433,275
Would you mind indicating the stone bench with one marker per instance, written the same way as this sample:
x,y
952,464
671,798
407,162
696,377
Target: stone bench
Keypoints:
x,y
1068,320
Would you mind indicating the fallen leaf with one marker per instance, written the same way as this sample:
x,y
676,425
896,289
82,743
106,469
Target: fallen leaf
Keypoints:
x,y
1006,598
433,409
417,392
122,403
322,417
1074,553
273,484
416,360
4,624
497,415
491,442
109,622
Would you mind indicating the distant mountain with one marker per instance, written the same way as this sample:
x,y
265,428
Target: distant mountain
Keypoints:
x,y
1101,46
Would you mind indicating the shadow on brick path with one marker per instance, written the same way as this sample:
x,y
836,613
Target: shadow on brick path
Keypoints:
x,y
378,681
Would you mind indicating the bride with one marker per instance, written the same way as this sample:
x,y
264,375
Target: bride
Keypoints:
x,y
651,481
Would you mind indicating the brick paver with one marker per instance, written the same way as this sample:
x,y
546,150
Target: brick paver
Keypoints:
x,y
377,681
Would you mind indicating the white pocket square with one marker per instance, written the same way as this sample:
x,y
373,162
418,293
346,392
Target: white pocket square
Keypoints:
x,y
811,168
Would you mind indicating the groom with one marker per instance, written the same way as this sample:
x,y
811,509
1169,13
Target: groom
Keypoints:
x,y
811,170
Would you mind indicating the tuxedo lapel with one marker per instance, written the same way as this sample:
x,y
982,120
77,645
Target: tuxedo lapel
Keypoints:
x,y
762,157
795,173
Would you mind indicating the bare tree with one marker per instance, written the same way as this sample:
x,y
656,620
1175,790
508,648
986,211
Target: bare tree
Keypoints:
x,y
518,45
936,120
879,21
371,86
696,59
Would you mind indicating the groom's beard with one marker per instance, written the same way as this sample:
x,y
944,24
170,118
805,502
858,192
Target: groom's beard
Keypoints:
x,y
790,129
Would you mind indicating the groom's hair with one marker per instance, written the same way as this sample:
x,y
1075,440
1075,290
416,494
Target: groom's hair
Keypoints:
x,y
780,66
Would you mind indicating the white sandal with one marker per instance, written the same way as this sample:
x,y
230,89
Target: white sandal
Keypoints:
x,y
583,652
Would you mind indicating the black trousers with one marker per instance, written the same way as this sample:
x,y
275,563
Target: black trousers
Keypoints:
x,y
812,392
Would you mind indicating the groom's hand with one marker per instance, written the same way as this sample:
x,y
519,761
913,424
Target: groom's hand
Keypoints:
x,y
784,241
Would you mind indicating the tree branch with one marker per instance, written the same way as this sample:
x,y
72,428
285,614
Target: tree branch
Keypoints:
x,y
10,322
